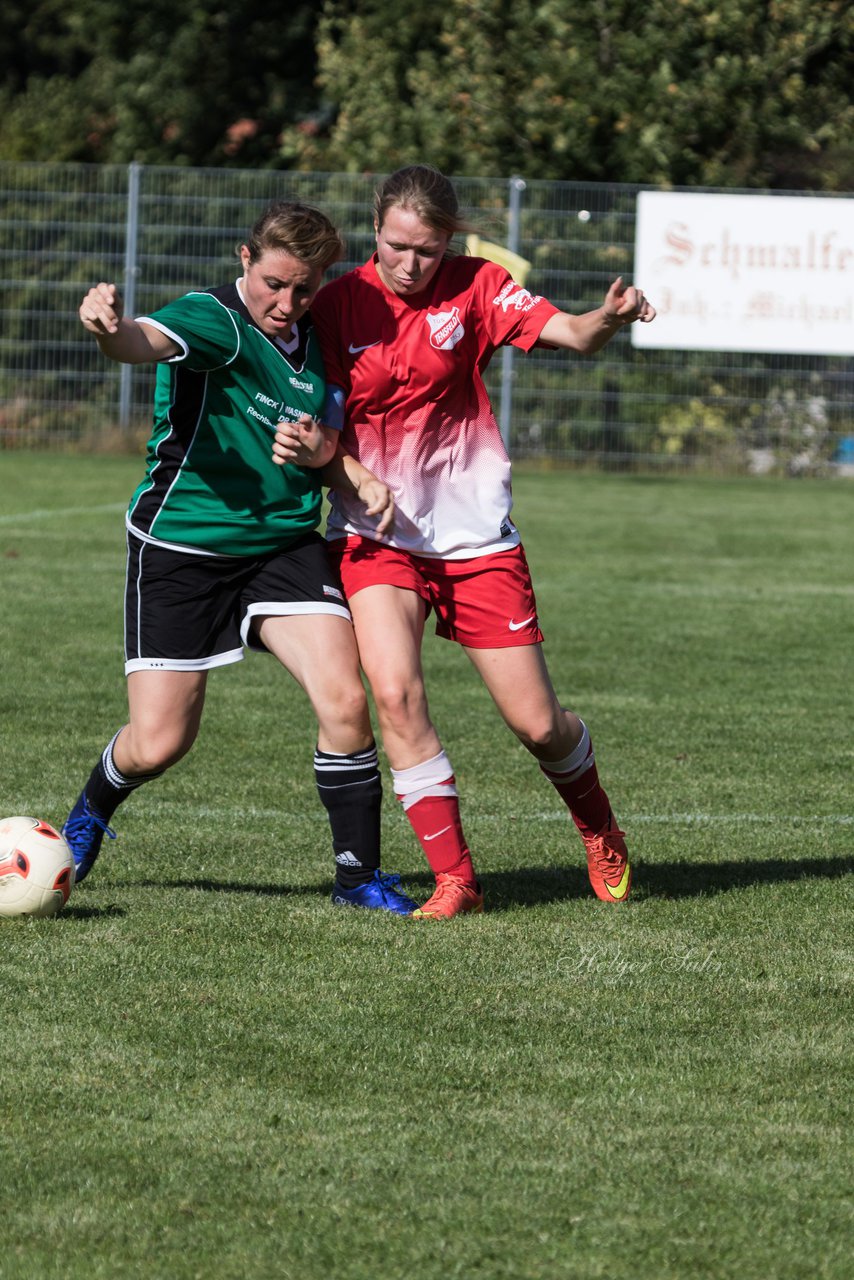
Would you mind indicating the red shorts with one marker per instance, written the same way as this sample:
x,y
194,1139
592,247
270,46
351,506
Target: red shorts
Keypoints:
x,y
485,603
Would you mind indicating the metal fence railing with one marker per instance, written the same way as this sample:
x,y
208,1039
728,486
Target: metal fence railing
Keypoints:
x,y
158,231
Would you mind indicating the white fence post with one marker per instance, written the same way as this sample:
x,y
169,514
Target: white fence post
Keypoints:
x,y
129,293
505,408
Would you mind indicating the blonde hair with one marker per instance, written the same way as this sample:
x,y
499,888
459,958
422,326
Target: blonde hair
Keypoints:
x,y
427,193
300,230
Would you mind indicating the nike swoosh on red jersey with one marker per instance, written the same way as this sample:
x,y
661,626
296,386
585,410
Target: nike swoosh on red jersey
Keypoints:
x,y
354,351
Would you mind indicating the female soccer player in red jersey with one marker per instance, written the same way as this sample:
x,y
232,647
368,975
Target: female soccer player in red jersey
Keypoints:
x,y
406,338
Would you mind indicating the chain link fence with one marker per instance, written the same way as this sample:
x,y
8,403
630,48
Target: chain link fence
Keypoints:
x,y
159,231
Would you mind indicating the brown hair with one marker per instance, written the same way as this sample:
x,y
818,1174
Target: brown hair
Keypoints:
x,y
427,192
287,226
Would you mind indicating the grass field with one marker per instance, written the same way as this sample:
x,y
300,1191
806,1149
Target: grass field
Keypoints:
x,y
208,1071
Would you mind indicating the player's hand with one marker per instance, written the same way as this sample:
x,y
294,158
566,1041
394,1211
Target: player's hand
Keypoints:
x,y
102,309
627,303
379,501
303,443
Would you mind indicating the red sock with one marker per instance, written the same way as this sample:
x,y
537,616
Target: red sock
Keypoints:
x,y
437,824
576,780
428,794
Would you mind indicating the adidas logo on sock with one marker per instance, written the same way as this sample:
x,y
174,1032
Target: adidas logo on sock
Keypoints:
x,y
347,859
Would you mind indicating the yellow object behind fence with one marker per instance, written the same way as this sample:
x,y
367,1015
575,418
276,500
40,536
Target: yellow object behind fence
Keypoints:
x,y
513,262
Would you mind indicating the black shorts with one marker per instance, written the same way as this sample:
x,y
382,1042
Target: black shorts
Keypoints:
x,y
186,612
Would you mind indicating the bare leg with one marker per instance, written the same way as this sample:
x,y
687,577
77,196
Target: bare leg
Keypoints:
x,y
165,713
520,685
389,625
319,650
519,682
165,710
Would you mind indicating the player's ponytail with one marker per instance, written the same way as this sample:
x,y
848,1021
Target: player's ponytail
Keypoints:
x,y
427,193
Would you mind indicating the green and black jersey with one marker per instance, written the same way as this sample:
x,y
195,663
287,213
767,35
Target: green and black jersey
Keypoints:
x,y
211,485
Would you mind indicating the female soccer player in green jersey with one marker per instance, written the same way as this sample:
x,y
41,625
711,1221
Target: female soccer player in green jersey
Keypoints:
x,y
223,552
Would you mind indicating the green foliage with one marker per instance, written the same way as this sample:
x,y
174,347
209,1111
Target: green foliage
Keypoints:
x,y
192,82
694,427
212,1074
732,93
683,92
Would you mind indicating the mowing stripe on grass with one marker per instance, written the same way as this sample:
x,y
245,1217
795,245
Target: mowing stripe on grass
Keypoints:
x,y
48,514
221,812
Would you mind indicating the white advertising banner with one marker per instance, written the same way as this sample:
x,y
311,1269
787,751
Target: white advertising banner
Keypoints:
x,y
746,273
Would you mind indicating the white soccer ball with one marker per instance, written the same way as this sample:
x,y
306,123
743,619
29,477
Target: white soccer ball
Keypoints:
x,y
36,868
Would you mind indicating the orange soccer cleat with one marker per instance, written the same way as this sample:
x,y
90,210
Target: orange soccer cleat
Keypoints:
x,y
453,897
608,865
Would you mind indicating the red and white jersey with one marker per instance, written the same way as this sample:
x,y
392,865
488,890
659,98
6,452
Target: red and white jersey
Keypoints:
x,y
417,412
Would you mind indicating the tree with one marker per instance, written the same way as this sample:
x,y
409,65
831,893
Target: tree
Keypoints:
x,y
188,81
713,92
748,93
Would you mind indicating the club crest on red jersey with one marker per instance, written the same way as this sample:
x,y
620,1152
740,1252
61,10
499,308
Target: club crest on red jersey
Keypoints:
x,y
446,329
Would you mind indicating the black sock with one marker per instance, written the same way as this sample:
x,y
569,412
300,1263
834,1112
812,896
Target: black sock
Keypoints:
x,y
350,788
107,787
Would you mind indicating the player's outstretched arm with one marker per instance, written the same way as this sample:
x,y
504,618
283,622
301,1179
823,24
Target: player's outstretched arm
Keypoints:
x,y
589,332
102,314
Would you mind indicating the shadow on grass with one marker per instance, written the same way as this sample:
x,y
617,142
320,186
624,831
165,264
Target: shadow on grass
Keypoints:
x,y
75,912
535,885
688,880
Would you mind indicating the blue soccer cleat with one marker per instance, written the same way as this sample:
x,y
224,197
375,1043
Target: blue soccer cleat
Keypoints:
x,y
84,831
379,892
